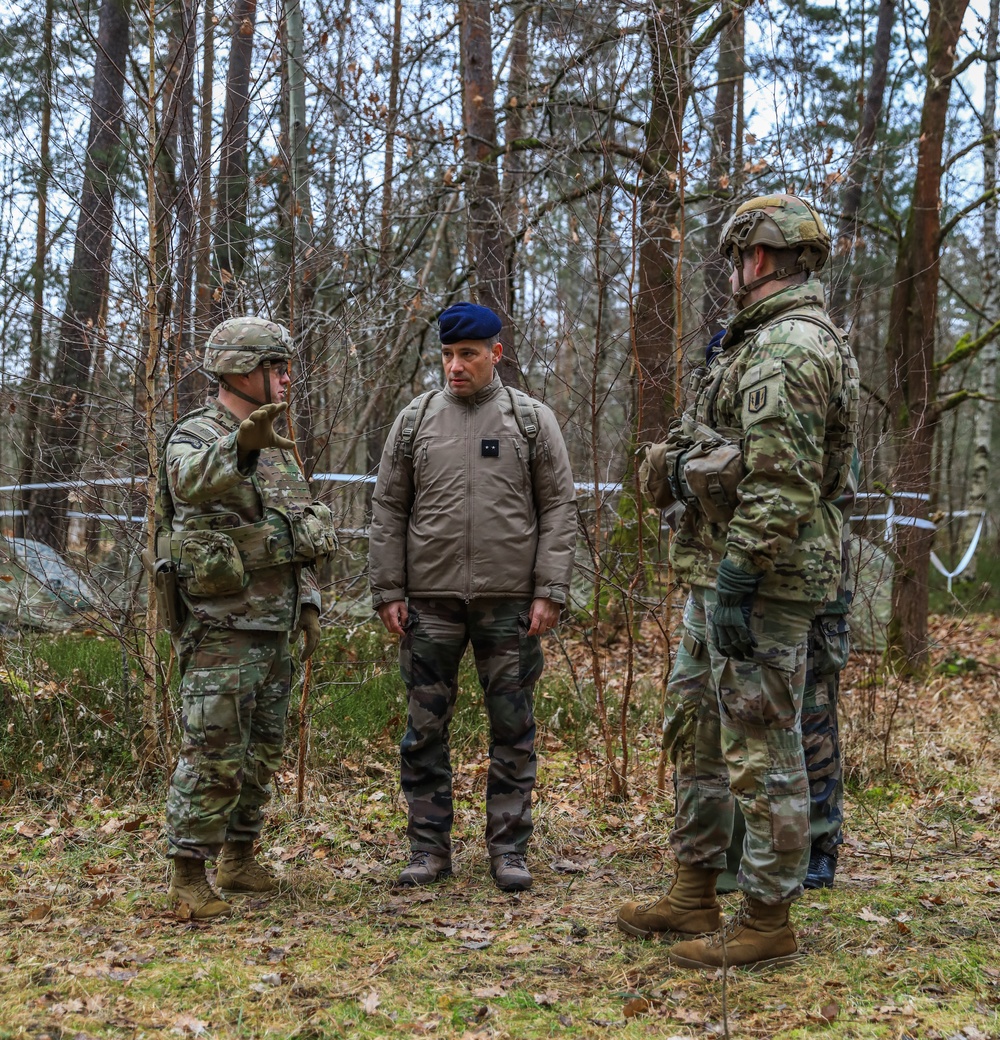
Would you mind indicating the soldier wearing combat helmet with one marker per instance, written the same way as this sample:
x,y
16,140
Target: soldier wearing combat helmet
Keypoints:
x,y
238,537
757,465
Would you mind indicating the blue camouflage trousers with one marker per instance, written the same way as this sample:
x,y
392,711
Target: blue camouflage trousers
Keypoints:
x,y
509,663
234,701
734,734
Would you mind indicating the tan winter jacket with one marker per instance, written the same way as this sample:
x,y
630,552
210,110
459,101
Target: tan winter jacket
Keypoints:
x,y
466,516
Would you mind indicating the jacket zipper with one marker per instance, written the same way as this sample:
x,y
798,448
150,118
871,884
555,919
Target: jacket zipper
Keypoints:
x,y
468,501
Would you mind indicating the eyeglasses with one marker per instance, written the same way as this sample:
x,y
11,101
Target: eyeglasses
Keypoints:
x,y
279,368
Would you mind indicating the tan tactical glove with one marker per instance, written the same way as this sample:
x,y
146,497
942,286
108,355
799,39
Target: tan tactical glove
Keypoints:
x,y
308,627
257,430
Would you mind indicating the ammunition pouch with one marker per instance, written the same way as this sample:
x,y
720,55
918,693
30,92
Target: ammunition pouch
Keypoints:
x,y
697,465
658,474
211,564
216,554
313,532
171,613
713,472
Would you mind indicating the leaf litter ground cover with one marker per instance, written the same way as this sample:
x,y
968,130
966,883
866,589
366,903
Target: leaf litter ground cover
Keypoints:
x,y
907,945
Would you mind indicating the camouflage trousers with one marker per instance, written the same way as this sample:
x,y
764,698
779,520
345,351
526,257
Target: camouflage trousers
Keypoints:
x,y
509,663
734,735
829,646
234,700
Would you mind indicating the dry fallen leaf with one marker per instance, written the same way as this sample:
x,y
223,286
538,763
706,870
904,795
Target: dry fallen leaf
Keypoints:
x,y
188,1025
39,913
636,1006
869,915
370,1002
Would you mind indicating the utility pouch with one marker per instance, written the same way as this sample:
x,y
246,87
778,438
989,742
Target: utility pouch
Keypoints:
x,y
313,532
660,476
211,564
713,472
171,613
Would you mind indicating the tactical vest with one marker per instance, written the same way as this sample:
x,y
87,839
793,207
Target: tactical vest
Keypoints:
x,y
298,534
842,412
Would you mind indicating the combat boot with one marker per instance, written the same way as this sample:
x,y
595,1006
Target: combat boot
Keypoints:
x,y
240,874
424,868
510,872
690,907
192,896
759,936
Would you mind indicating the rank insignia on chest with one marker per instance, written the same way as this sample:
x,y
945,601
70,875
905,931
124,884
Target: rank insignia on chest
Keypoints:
x,y
491,449
756,399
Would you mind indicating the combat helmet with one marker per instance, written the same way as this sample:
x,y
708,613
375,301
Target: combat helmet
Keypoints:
x,y
238,345
780,222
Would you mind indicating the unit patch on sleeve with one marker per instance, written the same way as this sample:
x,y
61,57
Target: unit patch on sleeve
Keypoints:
x,y
762,392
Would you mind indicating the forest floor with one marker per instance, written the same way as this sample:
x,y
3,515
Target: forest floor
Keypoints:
x,y
906,945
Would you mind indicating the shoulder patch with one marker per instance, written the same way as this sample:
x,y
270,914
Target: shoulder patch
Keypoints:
x,y
763,396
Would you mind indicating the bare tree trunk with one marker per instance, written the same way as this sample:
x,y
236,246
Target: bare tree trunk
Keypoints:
x,y
31,396
384,364
482,186
512,188
982,429
914,412
89,273
302,273
232,234
857,171
189,385
159,277
668,31
203,253
730,69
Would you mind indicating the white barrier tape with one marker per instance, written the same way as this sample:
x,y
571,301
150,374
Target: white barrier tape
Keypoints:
x,y
965,560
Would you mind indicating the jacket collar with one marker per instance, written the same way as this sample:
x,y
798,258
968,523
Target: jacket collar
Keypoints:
x,y
490,390
795,297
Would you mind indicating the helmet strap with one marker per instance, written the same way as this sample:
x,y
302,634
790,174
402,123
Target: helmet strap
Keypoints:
x,y
246,397
748,287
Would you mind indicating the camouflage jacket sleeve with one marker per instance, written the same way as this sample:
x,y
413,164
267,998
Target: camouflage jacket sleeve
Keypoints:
x,y
392,501
200,469
555,502
780,402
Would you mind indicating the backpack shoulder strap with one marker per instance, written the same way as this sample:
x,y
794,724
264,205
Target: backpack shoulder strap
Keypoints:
x,y
526,412
413,413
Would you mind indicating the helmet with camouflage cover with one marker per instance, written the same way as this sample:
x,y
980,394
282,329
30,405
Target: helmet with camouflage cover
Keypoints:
x,y
239,345
780,222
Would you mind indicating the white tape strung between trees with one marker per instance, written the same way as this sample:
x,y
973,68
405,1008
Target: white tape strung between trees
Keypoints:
x,y
969,553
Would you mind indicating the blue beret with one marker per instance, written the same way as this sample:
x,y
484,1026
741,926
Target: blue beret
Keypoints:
x,y
468,321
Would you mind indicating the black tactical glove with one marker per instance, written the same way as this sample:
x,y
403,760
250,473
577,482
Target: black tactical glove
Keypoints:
x,y
731,618
308,628
257,430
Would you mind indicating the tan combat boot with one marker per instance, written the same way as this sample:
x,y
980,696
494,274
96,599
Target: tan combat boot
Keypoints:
x,y
192,896
240,874
690,907
759,936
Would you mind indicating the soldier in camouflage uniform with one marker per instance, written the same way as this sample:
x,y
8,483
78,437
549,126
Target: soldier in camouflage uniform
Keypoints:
x,y
472,537
761,556
237,524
